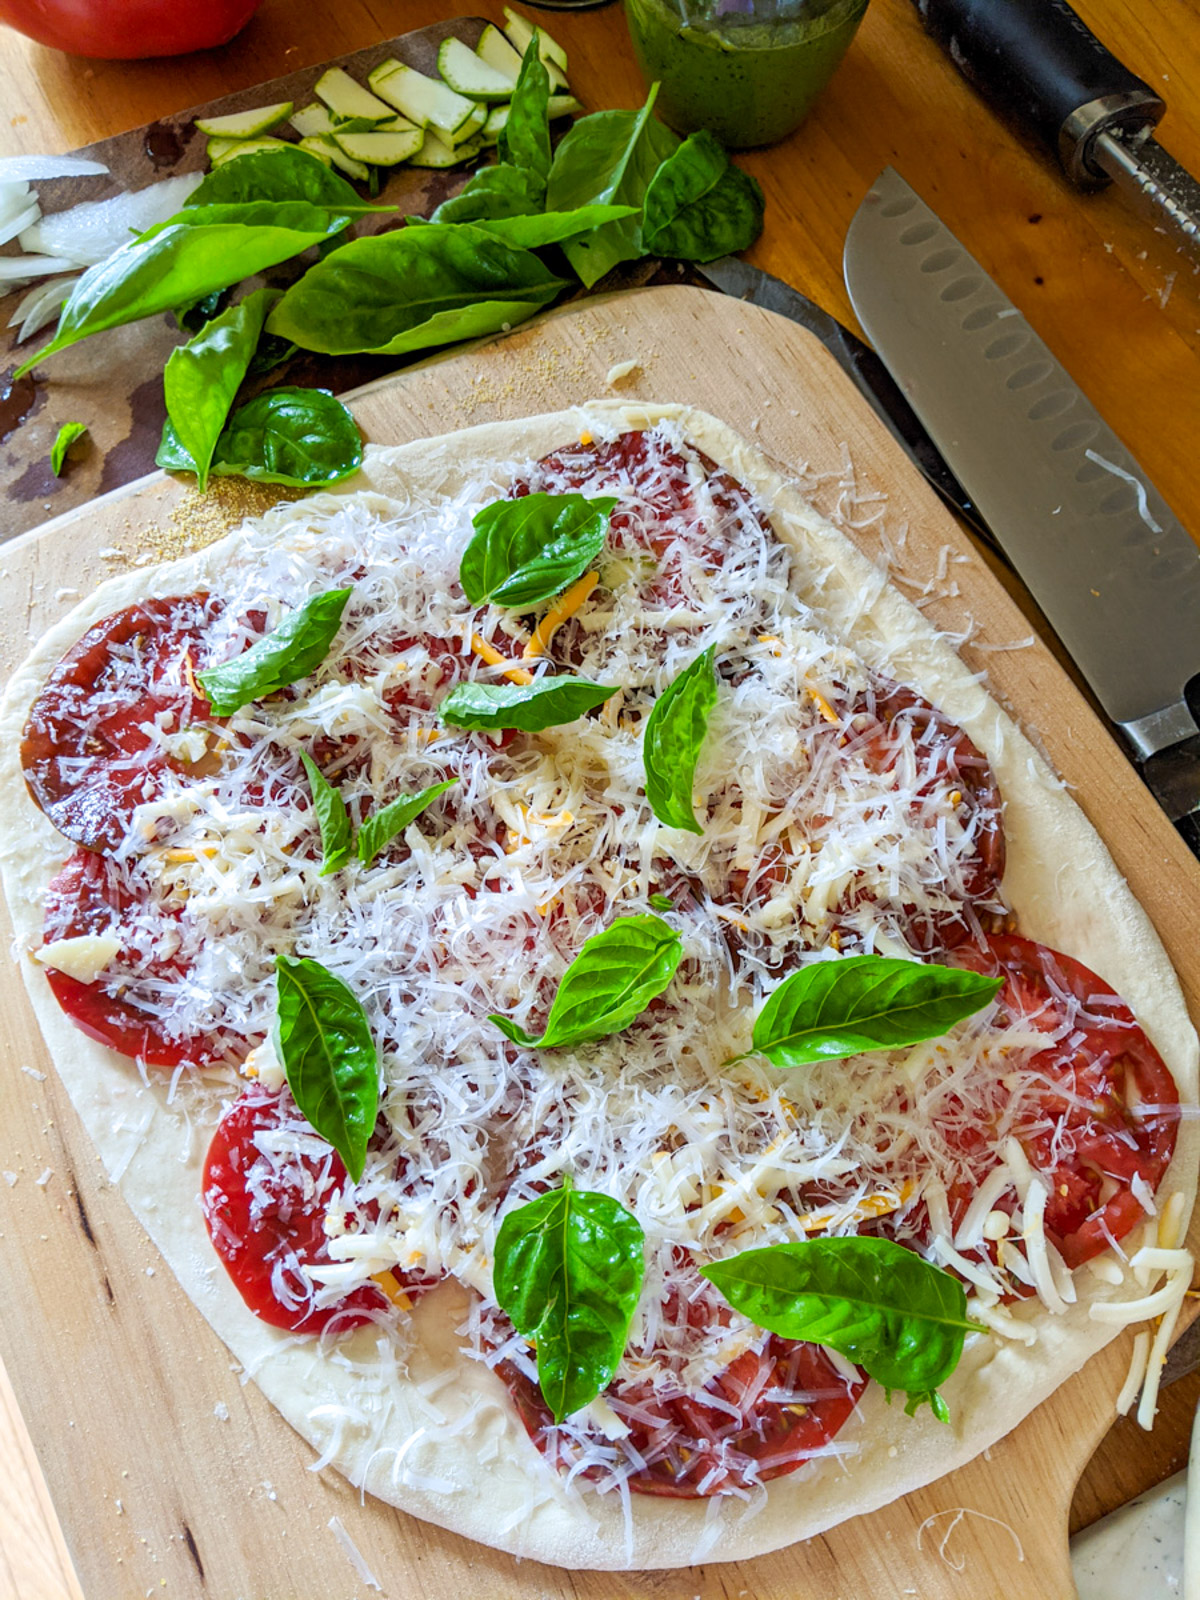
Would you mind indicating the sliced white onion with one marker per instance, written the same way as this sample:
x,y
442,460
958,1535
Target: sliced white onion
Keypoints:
x,y
17,271
39,307
14,197
17,169
92,230
23,220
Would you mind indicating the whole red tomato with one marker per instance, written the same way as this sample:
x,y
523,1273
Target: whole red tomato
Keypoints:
x,y
124,30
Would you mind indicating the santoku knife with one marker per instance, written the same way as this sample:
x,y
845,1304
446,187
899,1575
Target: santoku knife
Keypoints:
x,y
1043,69
1102,553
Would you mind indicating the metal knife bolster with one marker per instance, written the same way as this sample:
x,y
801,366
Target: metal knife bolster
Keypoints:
x,y
1102,553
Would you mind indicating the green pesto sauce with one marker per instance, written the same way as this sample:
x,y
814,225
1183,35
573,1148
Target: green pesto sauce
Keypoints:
x,y
749,81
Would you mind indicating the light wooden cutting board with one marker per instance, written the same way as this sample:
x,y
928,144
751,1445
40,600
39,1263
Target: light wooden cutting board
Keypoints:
x,y
121,1380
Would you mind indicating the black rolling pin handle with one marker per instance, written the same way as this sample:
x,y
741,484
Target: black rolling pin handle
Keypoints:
x,y
1038,64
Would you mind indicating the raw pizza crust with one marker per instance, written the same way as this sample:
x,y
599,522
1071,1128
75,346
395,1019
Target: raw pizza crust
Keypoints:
x,y
489,1483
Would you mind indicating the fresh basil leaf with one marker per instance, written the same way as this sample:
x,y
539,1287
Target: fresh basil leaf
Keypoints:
x,y
568,1273
381,827
552,227
286,174
545,703
839,1008
610,982
662,902
302,437
699,205
332,818
675,731
293,214
608,158
498,191
412,289
880,1305
63,440
324,1041
202,376
177,266
529,549
290,652
525,136
192,318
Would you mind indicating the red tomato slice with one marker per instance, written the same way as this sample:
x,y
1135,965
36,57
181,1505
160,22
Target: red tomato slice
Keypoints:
x,y
92,894
85,746
1086,1136
266,1215
761,1418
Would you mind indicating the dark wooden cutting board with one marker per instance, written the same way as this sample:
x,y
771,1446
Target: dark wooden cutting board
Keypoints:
x,y
113,382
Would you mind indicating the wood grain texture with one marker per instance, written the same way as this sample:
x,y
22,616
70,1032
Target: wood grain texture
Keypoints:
x,y
234,1496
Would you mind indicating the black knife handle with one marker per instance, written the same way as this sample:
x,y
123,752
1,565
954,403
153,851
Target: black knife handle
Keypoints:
x,y
1038,64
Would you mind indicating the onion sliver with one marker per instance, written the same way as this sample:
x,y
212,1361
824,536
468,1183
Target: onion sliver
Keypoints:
x,y
91,231
17,169
39,307
26,219
17,271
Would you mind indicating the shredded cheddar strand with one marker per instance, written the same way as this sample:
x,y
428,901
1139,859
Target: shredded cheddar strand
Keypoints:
x,y
565,606
492,656
387,1282
872,1205
824,707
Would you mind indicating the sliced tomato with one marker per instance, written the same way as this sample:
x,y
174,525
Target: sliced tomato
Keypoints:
x,y
92,894
89,750
764,1416
887,724
1107,1114
266,1215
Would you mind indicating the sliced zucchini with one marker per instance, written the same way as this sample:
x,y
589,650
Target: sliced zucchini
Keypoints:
x,y
437,152
217,149
242,147
494,49
492,128
313,119
346,98
316,145
394,124
426,101
553,57
563,105
246,124
381,149
471,128
348,164
468,75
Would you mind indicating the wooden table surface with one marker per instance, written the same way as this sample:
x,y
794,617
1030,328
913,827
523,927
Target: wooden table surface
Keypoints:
x,y
1112,297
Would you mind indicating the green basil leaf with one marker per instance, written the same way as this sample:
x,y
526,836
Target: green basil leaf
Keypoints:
x,y
699,205
324,1042
498,191
525,137
192,318
302,437
529,549
545,703
286,174
63,440
675,731
202,376
608,158
294,214
294,649
412,289
610,982
568,1273
332,817
552,227
880,1305
661,902
840,1008
381,827
176,266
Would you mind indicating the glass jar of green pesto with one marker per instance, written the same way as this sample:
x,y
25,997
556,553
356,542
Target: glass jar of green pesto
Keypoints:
x,y
748,70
